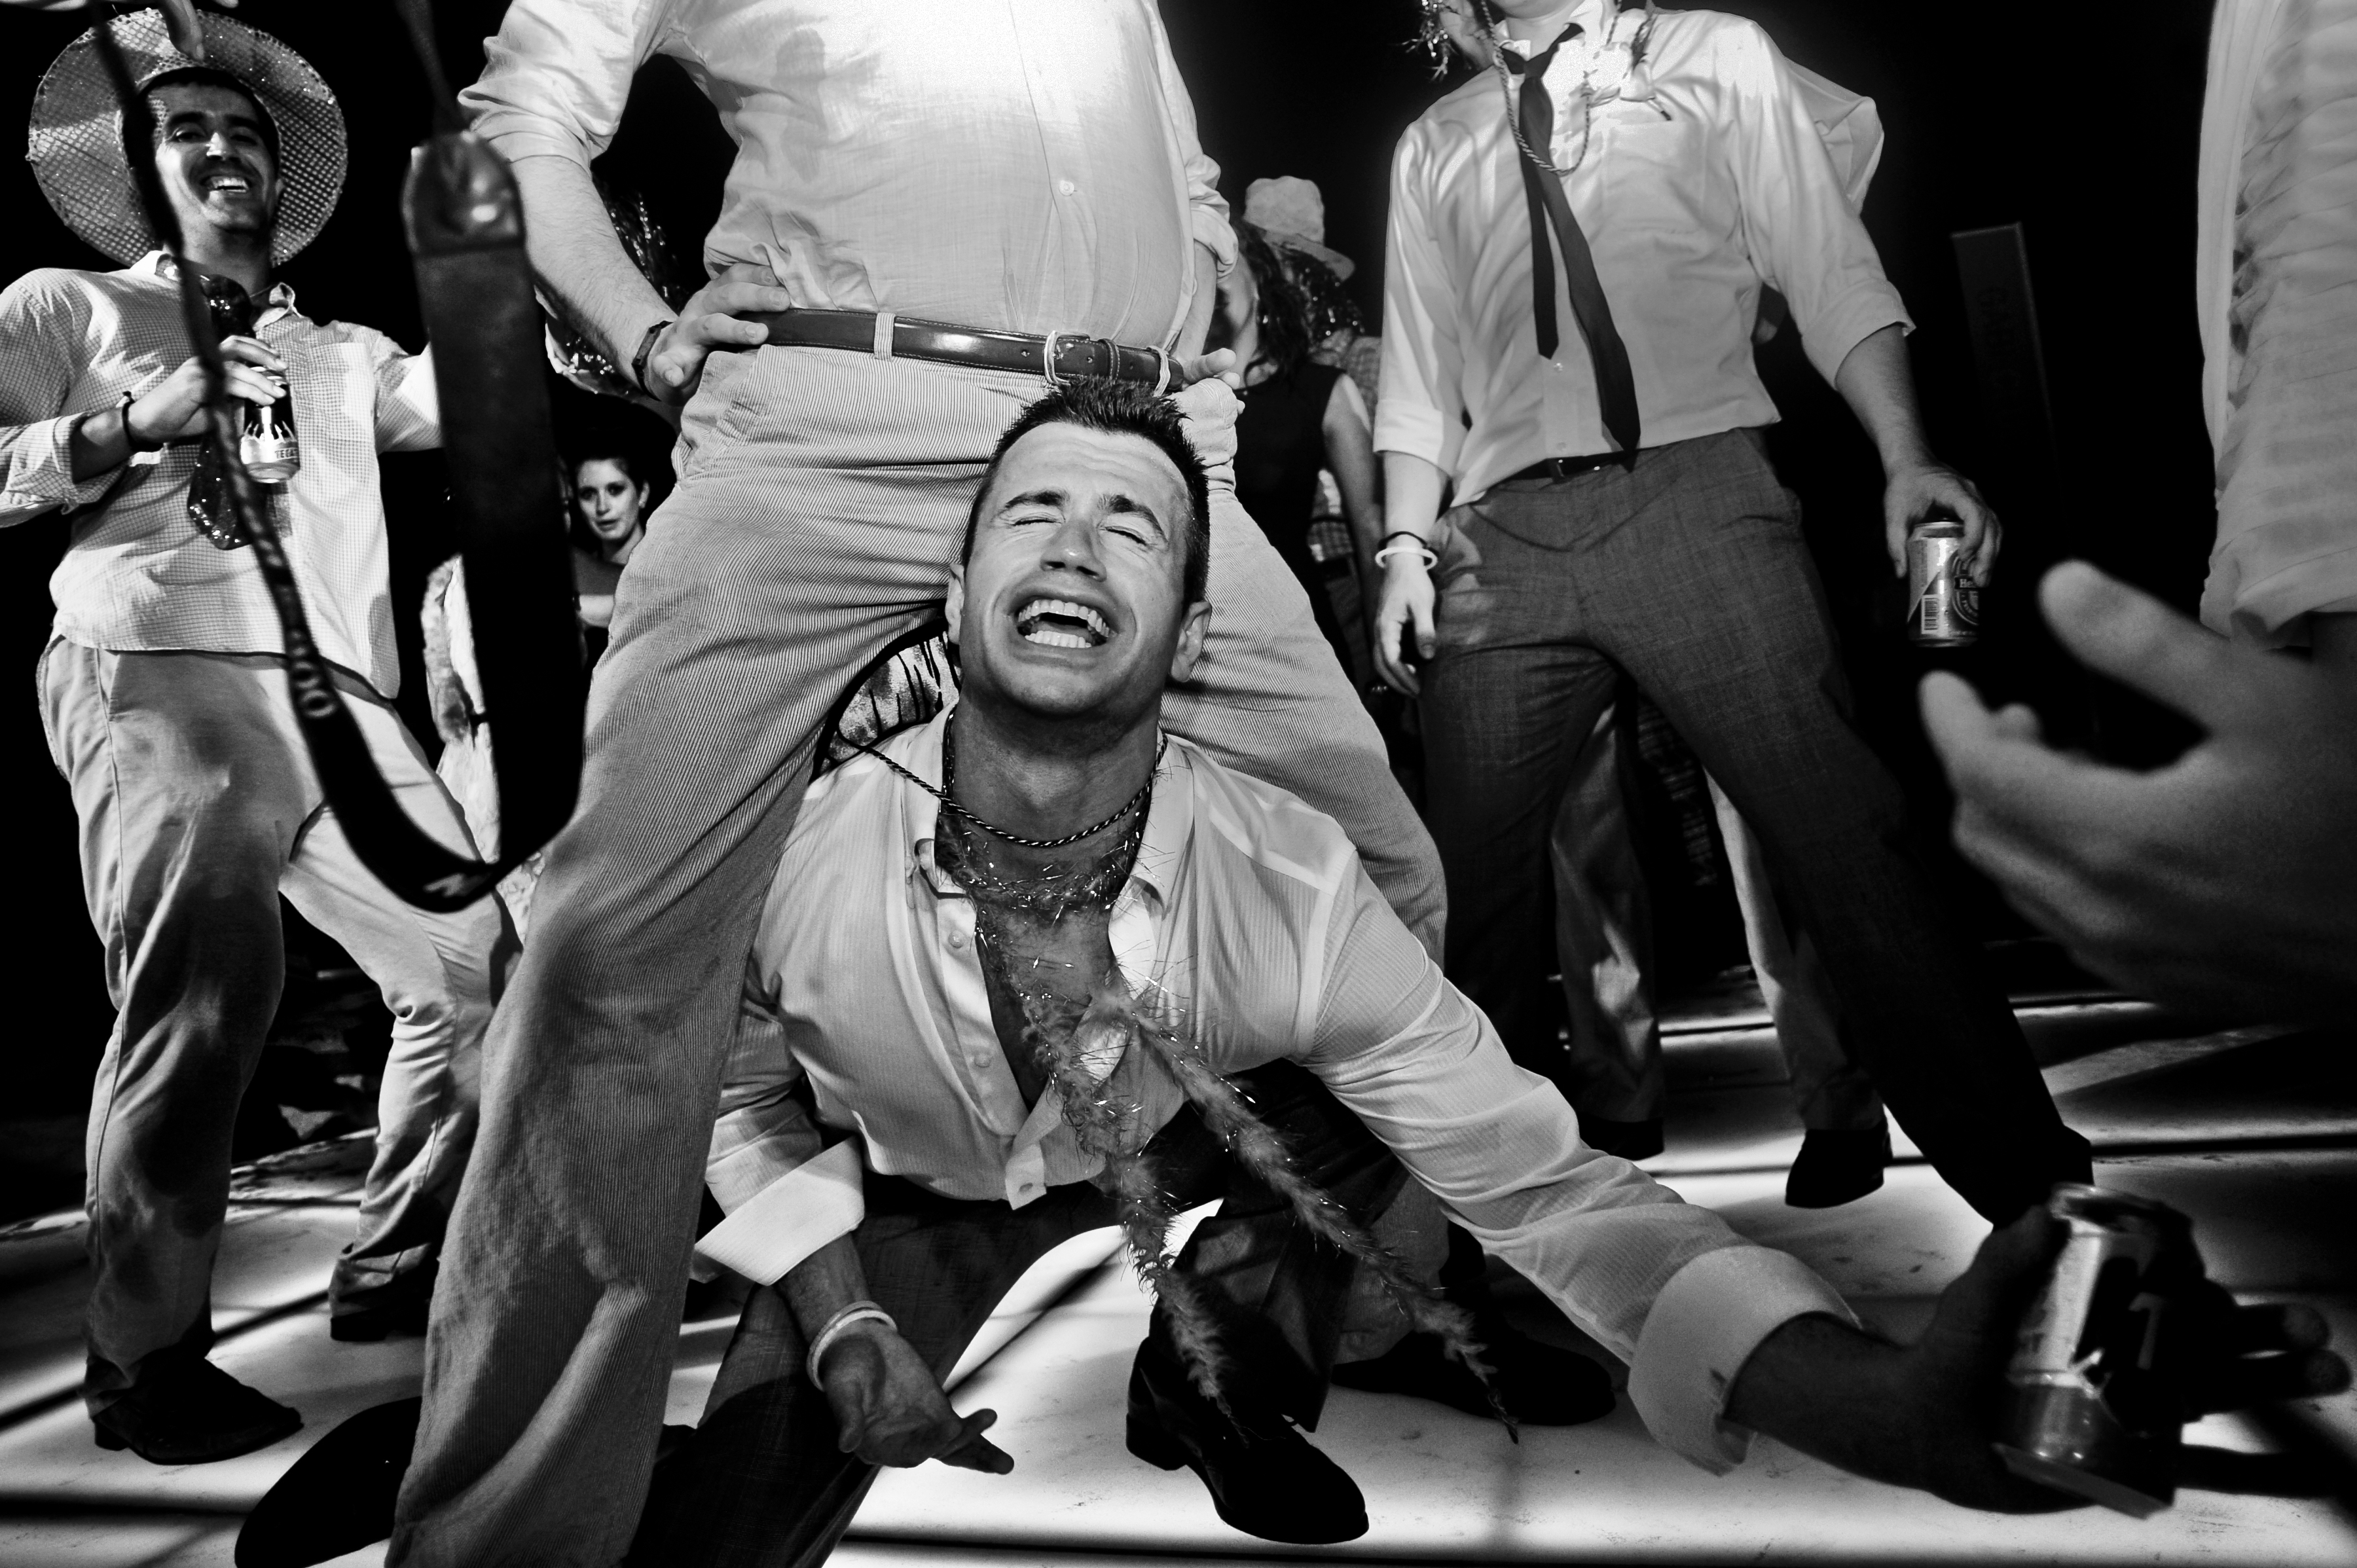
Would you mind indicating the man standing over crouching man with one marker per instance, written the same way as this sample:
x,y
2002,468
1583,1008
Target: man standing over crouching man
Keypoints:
x,y
1010,962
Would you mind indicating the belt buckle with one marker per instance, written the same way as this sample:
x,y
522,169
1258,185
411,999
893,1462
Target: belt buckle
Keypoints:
x,y
1048,352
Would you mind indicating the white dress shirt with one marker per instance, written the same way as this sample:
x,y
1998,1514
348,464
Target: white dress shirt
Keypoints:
x,y
1025,166
1694,196
138,575
2278,299
1249,919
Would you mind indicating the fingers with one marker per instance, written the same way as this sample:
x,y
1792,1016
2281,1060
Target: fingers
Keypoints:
x,y
253,351
2254,1474
1987,1300
730,295
2134,639
971,1451
2268,1380
2255,1330
1219,362
1894,534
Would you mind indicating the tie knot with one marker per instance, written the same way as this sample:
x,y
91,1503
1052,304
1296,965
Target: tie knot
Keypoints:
x,y
1536,64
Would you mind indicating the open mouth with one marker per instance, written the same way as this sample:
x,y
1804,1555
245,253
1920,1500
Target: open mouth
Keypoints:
x,y
230,184
1059,623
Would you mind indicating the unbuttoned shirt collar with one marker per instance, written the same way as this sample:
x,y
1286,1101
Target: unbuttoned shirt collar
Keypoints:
x,y
279,301
1132,930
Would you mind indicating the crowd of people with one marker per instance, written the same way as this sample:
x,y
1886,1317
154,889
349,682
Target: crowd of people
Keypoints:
x,y
991,408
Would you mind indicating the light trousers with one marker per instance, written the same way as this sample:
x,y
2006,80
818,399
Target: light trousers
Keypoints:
x,y
198,808
822,501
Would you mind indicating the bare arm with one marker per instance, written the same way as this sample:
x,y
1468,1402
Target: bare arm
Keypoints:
x,y
1877,382
1411,488
1351,453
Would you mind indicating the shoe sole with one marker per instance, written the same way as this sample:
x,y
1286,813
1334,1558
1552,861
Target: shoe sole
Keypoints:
x,y
1158,1448
233,1448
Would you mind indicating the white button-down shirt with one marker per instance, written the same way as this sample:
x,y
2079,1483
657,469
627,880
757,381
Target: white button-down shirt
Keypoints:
x,y
1025,166
1249,917
138,575
1694,198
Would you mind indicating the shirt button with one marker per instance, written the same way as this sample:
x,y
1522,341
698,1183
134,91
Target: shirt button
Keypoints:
x,y
957,940
1066,185
979,1061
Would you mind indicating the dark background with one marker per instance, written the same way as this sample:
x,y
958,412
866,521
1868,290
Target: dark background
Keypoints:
x,y
2081,129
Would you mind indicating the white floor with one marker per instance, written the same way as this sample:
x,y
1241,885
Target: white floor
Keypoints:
x,y
2253,1132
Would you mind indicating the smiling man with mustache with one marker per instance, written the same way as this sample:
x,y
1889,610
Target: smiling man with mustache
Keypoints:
x,y
167,712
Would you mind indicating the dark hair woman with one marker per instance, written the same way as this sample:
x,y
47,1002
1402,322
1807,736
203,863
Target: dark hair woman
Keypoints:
x,y
1298,416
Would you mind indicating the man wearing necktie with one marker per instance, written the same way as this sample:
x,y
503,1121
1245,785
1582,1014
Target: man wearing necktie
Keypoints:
x,y
1579,241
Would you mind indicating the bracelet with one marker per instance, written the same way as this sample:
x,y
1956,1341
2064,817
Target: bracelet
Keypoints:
x,y
857,1312
123,412
639,359
1414,545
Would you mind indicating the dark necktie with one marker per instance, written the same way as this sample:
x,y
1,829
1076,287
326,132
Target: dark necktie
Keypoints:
x,y
1616,388
210,507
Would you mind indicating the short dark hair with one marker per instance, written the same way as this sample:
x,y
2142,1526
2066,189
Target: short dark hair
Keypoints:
x,y
1117,408
211,76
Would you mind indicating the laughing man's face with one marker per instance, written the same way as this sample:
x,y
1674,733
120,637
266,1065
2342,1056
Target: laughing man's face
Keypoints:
x,y
1073,602
214,156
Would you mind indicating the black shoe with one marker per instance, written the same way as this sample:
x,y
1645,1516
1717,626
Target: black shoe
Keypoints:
x,y
1837,1167
1629,1139
192,1413
399,1308
338,1498
1264,1479
1538,1383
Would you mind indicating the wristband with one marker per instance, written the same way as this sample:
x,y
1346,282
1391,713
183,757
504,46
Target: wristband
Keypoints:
x,y
857,1312
123,412
639,359
1414,545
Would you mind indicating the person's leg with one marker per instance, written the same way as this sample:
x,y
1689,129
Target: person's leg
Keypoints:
x,y
438,974
1271,699
187,806
1604,940
1706,595
816,519
761,1483
1508,700
1830,1092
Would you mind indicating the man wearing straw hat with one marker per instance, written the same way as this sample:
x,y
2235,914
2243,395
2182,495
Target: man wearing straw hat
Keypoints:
x,y
168,711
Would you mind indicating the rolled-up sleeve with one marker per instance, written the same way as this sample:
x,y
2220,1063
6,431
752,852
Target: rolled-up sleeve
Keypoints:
x,y
40,327
1799,225
557,74
1661,1283
1421,413
408,404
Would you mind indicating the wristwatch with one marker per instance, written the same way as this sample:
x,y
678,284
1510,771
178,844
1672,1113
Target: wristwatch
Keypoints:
x,y
639,359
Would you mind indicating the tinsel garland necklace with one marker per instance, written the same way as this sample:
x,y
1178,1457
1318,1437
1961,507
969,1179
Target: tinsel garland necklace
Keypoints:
x,y
1078,1034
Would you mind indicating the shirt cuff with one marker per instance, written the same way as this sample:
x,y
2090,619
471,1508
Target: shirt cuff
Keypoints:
x,y
2266,581
519,133
793,1216
1215,232
1850,320
1704,1325
1410,428
39,469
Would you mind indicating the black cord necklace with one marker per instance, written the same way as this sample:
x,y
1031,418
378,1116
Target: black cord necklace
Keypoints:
x,y
949,777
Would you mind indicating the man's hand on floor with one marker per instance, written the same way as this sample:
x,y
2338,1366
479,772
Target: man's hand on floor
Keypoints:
x,y
891,1409
2220,881
1926,1415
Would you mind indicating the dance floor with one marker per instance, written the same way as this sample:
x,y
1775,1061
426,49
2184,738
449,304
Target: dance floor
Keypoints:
x,y
2253,1131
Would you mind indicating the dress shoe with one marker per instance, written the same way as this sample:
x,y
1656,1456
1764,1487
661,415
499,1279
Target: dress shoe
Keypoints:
x,y
1629,1139
1539,1384
1837,1166
338,1498
1265,1478
399,1308
192,1413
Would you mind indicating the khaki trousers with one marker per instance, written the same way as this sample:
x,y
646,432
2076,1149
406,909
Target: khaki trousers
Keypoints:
x,y
198,808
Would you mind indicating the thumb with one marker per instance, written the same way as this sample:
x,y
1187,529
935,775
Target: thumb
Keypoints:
x,y
2132,636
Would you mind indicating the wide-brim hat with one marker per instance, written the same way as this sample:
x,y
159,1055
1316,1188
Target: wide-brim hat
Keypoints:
x,y
76,144
1292,213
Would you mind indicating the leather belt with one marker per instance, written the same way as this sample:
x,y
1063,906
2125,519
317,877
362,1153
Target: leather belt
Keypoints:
x,y
1570,467
1057,357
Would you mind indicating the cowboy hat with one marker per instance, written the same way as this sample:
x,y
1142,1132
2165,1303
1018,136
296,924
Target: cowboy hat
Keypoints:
x,y
1289,211
76,144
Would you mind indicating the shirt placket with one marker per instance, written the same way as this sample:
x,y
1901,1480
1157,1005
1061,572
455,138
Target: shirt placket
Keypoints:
x,y
981,1064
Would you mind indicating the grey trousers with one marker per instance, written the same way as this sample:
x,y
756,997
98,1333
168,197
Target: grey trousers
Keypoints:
x,y
198,808
1687,570
822,499
1611,1067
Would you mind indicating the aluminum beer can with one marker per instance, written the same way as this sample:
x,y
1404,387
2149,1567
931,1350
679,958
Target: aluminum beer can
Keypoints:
x,y
269,448
1944,598
2093,1406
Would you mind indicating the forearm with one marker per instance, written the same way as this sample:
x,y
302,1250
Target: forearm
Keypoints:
x,y
577,257
1877,382
824,1283
1828,1390
1411,488
2332,643
100,444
